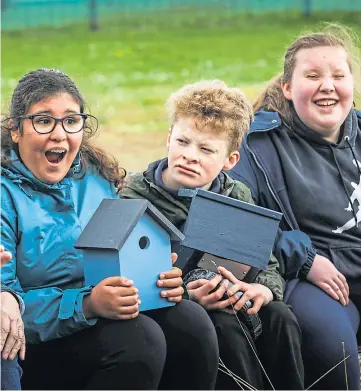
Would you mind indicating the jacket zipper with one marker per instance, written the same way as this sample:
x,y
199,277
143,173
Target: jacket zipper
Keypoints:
x,y
267,181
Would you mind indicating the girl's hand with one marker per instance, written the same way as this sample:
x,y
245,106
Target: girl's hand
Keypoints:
x,y
5,256
112,298
324,274
172,280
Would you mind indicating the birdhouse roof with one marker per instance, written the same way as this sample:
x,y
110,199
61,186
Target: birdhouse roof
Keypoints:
x,y
227,201
231,229
115,219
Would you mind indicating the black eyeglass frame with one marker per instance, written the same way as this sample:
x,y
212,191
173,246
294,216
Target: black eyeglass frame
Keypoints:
x,y
57,120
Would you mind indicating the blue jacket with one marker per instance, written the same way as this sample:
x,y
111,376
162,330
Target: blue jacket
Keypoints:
x,y
40,224
261,170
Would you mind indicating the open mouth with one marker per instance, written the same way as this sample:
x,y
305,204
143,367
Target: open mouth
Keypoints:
x,y
326,102
55,156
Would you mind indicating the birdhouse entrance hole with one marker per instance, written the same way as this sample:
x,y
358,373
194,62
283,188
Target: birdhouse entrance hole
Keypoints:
x,y
144,242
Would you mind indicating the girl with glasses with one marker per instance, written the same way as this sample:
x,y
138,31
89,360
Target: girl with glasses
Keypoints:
x,y
53,180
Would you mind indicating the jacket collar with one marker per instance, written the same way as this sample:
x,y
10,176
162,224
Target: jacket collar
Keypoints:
x,y
265,121
219,185
268,120
18,173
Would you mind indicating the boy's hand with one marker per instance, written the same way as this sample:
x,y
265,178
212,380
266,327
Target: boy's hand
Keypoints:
x,y
258,293
172,280
201,292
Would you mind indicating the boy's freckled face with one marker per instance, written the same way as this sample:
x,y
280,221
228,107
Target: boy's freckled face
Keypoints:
x,y
195,157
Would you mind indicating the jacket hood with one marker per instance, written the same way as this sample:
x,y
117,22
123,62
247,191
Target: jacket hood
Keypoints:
x,y
265,121
349,132
142,185
226,182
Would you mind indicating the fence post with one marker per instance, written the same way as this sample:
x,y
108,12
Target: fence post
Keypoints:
x,y
93,15
307,7
5,4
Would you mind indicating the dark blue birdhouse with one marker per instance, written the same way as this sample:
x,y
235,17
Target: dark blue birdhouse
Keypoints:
x,y
231,229
129,238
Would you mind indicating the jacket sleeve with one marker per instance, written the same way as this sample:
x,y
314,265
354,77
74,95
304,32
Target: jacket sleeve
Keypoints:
x,y
295,251
49,311
293,248
271,277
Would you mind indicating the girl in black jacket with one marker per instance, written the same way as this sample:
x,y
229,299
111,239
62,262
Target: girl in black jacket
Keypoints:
x,y
302,156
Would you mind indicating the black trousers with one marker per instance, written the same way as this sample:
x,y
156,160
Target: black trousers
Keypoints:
x,y
169,348
278,348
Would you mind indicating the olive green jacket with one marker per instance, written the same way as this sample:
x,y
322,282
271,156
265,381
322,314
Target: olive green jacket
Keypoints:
x,y
142,185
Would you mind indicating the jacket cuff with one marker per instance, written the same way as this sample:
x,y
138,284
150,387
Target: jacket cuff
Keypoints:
x,y
72,304
277,294
79,307
303,273
21,304
17,297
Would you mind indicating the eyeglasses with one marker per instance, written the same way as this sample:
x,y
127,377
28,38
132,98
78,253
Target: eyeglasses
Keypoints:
x,y
44,124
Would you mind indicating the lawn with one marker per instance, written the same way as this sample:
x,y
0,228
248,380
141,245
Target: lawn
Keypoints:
x,y
127,69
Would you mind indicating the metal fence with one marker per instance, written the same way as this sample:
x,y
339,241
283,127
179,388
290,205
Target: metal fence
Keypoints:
x,y
22,14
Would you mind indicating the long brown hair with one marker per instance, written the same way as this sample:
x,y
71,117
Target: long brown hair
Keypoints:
x,y
44,83
333,35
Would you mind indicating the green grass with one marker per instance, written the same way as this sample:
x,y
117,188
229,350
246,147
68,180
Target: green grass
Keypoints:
x,y
128,68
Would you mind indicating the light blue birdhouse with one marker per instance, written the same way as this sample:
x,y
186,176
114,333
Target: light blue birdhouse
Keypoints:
x,y
129,238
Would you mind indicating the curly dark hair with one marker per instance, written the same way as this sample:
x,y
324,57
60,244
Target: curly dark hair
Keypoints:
x,y
44,83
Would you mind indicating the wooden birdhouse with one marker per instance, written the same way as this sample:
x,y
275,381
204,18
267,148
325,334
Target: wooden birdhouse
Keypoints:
x,y
230,229
129,238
